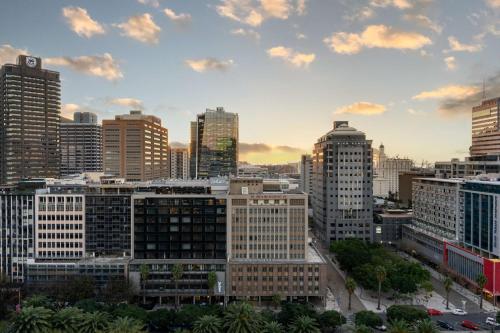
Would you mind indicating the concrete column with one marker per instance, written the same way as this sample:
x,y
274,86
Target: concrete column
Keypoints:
x,y
160,300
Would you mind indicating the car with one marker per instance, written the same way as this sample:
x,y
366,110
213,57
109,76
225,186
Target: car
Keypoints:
x,y
445,325
492,321
434,312
470,325
459,312
381,328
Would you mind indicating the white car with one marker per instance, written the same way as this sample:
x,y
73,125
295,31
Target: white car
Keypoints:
x,y
459,312
492,321
381,328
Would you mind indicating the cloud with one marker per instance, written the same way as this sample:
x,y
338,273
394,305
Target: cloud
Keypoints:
x,y
450,63
424,21
67,110
361,14
493,3
206,64
300,35
248,148
254,12
400,4
449,91
362,108
8,54
456,46
176,144
296,59
414,112
133,103
246,33
376,36
100,65
180,19
288,149
81,23
141,28
152,3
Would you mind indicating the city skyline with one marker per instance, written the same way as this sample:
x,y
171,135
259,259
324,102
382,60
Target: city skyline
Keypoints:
x,y
285,66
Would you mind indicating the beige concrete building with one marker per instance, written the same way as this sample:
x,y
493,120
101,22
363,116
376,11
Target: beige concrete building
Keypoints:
x,y
267,245
135,147
179,163
485,128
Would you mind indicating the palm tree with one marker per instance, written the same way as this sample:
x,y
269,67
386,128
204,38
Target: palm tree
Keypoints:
x,y
381,274
211,281
399,326
177,272
481,281
32,320
448,284
126,325
426,326
208,324
241,318
144,270
38,301
276,299
272,327
67,320
350,285
94,322
304,324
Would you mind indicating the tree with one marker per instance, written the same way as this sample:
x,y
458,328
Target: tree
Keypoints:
x,y
272,327
177,272
329,320
290,311
32,320
144,270
241,318
304,324
211,281
67,320
426,326
367,318
276,300
208,324
350,285
77,288
481,281
126,325
38,301
381,274
399,326
448,285
118,290
94,322
130,311
363,329
407,313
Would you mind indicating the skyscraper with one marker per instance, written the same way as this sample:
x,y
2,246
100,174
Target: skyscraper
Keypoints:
x,y
214,144
342,184
179,163
135,147
30,103
486,128
306,174
81,144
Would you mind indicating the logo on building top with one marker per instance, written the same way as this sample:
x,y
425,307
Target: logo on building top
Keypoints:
x,y
31,62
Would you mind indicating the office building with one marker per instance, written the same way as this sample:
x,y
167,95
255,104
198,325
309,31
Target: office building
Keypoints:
x,y
386,181
342,178
81,144
30,103
135,147
306,168
388,226
470,167
485,128
256,171
215,146
179,163
406,184
268,251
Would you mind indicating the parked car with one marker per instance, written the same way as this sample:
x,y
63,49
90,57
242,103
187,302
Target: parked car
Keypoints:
x,y
434,312
445,325
459,312
492,321
470,325
381,328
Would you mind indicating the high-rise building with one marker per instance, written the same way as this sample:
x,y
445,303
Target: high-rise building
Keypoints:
x,y
215,146
486,128
342,184
81,144
30,106
179,163
386,181
406,184
306,167
135,147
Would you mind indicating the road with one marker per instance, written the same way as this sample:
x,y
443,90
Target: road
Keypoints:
x,y
455,321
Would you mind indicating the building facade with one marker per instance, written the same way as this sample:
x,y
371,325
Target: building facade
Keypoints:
x,y
30,104
81,144
388,226
485,128
470,167
306,171
386,183
215,149
342,185
406,185
135,147
179,163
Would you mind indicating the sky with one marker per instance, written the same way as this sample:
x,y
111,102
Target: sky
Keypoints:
x,y
405,72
